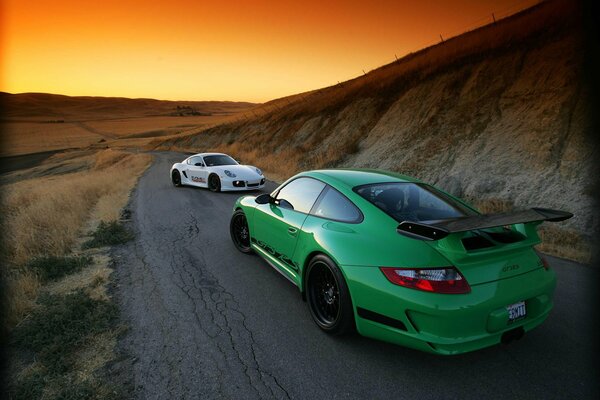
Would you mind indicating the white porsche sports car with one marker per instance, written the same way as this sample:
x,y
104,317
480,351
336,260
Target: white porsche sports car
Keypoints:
x,y
216,171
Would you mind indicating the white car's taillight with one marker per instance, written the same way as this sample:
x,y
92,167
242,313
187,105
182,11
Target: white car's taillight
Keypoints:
x,y
438,280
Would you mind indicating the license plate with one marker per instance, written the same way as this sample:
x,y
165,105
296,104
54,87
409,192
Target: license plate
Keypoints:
x,y
516,311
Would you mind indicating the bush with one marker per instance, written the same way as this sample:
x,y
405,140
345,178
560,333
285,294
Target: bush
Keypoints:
x,y
34,385
108,234
56,328
52,268
77,391
29,387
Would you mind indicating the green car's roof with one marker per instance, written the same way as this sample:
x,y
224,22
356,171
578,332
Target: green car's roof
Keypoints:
x,y
356,177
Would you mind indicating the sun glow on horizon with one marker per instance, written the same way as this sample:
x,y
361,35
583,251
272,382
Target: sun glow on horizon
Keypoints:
x,y
197,50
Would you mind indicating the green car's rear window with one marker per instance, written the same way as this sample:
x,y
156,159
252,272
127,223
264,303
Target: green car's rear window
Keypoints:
x,y
334,205
407,201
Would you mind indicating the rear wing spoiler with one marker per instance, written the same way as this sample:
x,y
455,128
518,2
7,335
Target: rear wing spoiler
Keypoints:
x,y
436,230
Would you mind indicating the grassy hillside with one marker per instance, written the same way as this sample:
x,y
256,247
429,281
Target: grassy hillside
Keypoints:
x,y
496,115
40,122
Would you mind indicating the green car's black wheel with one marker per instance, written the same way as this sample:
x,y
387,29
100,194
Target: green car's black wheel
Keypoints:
x,y
214,183
240,233
176,178
328,296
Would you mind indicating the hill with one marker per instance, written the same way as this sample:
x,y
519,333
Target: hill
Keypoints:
x,y
497,115
41,122
48,106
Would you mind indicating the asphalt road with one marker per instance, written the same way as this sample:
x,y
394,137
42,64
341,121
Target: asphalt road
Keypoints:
x,y
209,322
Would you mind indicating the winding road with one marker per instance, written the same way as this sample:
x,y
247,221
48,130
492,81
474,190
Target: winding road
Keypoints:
x,y
209,322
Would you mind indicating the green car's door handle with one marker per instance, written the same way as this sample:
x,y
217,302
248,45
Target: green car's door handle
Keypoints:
x,y
292,231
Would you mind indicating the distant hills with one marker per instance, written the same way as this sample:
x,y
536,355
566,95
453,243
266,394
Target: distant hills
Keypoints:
x,y
59,107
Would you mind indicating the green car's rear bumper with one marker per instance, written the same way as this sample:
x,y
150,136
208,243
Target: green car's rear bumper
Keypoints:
x,y
446,323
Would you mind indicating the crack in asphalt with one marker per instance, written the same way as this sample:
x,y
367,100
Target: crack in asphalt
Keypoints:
x,y
189,334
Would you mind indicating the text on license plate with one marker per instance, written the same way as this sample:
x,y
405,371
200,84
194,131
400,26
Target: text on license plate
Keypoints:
x,y
516,311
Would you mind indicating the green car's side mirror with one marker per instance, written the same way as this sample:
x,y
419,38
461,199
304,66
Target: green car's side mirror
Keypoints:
x,y
264,198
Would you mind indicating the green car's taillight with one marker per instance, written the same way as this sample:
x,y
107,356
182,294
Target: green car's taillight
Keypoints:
x,y
543,260
446,280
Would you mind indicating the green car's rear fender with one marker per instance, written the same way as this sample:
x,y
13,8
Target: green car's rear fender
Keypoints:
x,y
362,245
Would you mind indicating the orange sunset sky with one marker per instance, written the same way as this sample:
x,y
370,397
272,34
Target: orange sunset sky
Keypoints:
x,y
223,50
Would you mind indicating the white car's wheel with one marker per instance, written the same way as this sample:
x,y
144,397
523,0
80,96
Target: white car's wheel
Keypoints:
x,y
214,183
176,178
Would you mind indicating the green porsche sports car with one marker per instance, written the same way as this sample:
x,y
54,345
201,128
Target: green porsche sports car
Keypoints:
x,y
399,260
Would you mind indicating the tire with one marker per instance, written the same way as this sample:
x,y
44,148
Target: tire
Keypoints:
x,y
214,183
328,297
239,231
176,178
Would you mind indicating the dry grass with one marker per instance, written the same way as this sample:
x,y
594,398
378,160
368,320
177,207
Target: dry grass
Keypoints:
x,y
99,350
33,137
45,216
86,360
493,205
156,126
92,279
25,137
21,288
35,123
43,106
556,240
49,216
565,243
279,165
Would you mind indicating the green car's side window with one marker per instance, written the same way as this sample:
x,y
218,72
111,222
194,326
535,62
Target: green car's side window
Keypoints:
x,y
335,206
301,194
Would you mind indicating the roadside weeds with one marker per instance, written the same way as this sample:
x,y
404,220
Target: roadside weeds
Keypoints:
x,y
62,322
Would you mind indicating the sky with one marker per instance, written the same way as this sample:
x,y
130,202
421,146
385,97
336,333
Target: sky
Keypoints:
x,y
217,50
